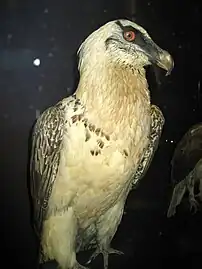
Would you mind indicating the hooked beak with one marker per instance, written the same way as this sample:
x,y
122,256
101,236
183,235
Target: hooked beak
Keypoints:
x,y
165,61
158,56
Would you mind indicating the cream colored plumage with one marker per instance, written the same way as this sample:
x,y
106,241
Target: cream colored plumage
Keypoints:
x,y
87,148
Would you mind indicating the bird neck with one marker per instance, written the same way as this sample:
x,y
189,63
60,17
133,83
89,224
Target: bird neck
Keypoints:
x,y
110,94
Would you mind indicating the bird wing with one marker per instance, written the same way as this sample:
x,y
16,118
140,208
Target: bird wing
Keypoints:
x,y
45,157
186,154
177,195
157,123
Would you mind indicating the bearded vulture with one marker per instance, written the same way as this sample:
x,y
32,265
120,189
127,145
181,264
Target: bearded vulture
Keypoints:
x,y
187,170
87,148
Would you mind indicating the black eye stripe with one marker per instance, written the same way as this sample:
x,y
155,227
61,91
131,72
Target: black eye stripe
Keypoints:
x,y
140,38
128,28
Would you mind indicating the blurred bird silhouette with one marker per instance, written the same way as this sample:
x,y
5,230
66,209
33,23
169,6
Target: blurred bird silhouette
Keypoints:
x,y
186,171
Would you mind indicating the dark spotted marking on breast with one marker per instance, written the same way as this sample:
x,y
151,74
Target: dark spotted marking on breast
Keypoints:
x,y
125,153
75,108
85,122
76,118
97,131
100,143
88,136
105,135
91,127
77,102
80,116
95,152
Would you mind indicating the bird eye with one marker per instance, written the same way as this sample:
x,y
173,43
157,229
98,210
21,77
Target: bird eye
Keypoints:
x,y
129,36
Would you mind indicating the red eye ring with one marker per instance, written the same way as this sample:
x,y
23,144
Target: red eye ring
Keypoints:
x,y
129,36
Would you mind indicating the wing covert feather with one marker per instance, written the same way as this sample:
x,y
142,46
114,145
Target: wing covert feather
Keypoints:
x,y
157,123
45,157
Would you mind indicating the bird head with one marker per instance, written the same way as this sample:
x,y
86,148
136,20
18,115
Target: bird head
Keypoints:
x,y
123,43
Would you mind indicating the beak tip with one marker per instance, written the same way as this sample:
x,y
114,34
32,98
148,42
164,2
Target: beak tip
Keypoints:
x,y
168,63
169,72
170,68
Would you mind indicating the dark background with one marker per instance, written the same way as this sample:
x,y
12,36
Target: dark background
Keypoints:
x,y
52,31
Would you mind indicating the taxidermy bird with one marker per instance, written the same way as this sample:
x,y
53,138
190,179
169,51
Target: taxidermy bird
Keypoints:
x,y
186,171
87,148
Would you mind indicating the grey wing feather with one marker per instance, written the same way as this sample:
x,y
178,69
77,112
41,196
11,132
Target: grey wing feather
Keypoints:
x,y
45,157
177,196
187,152
157,123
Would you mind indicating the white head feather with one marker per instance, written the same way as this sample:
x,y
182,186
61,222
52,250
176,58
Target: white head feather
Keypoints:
x,y
122,52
